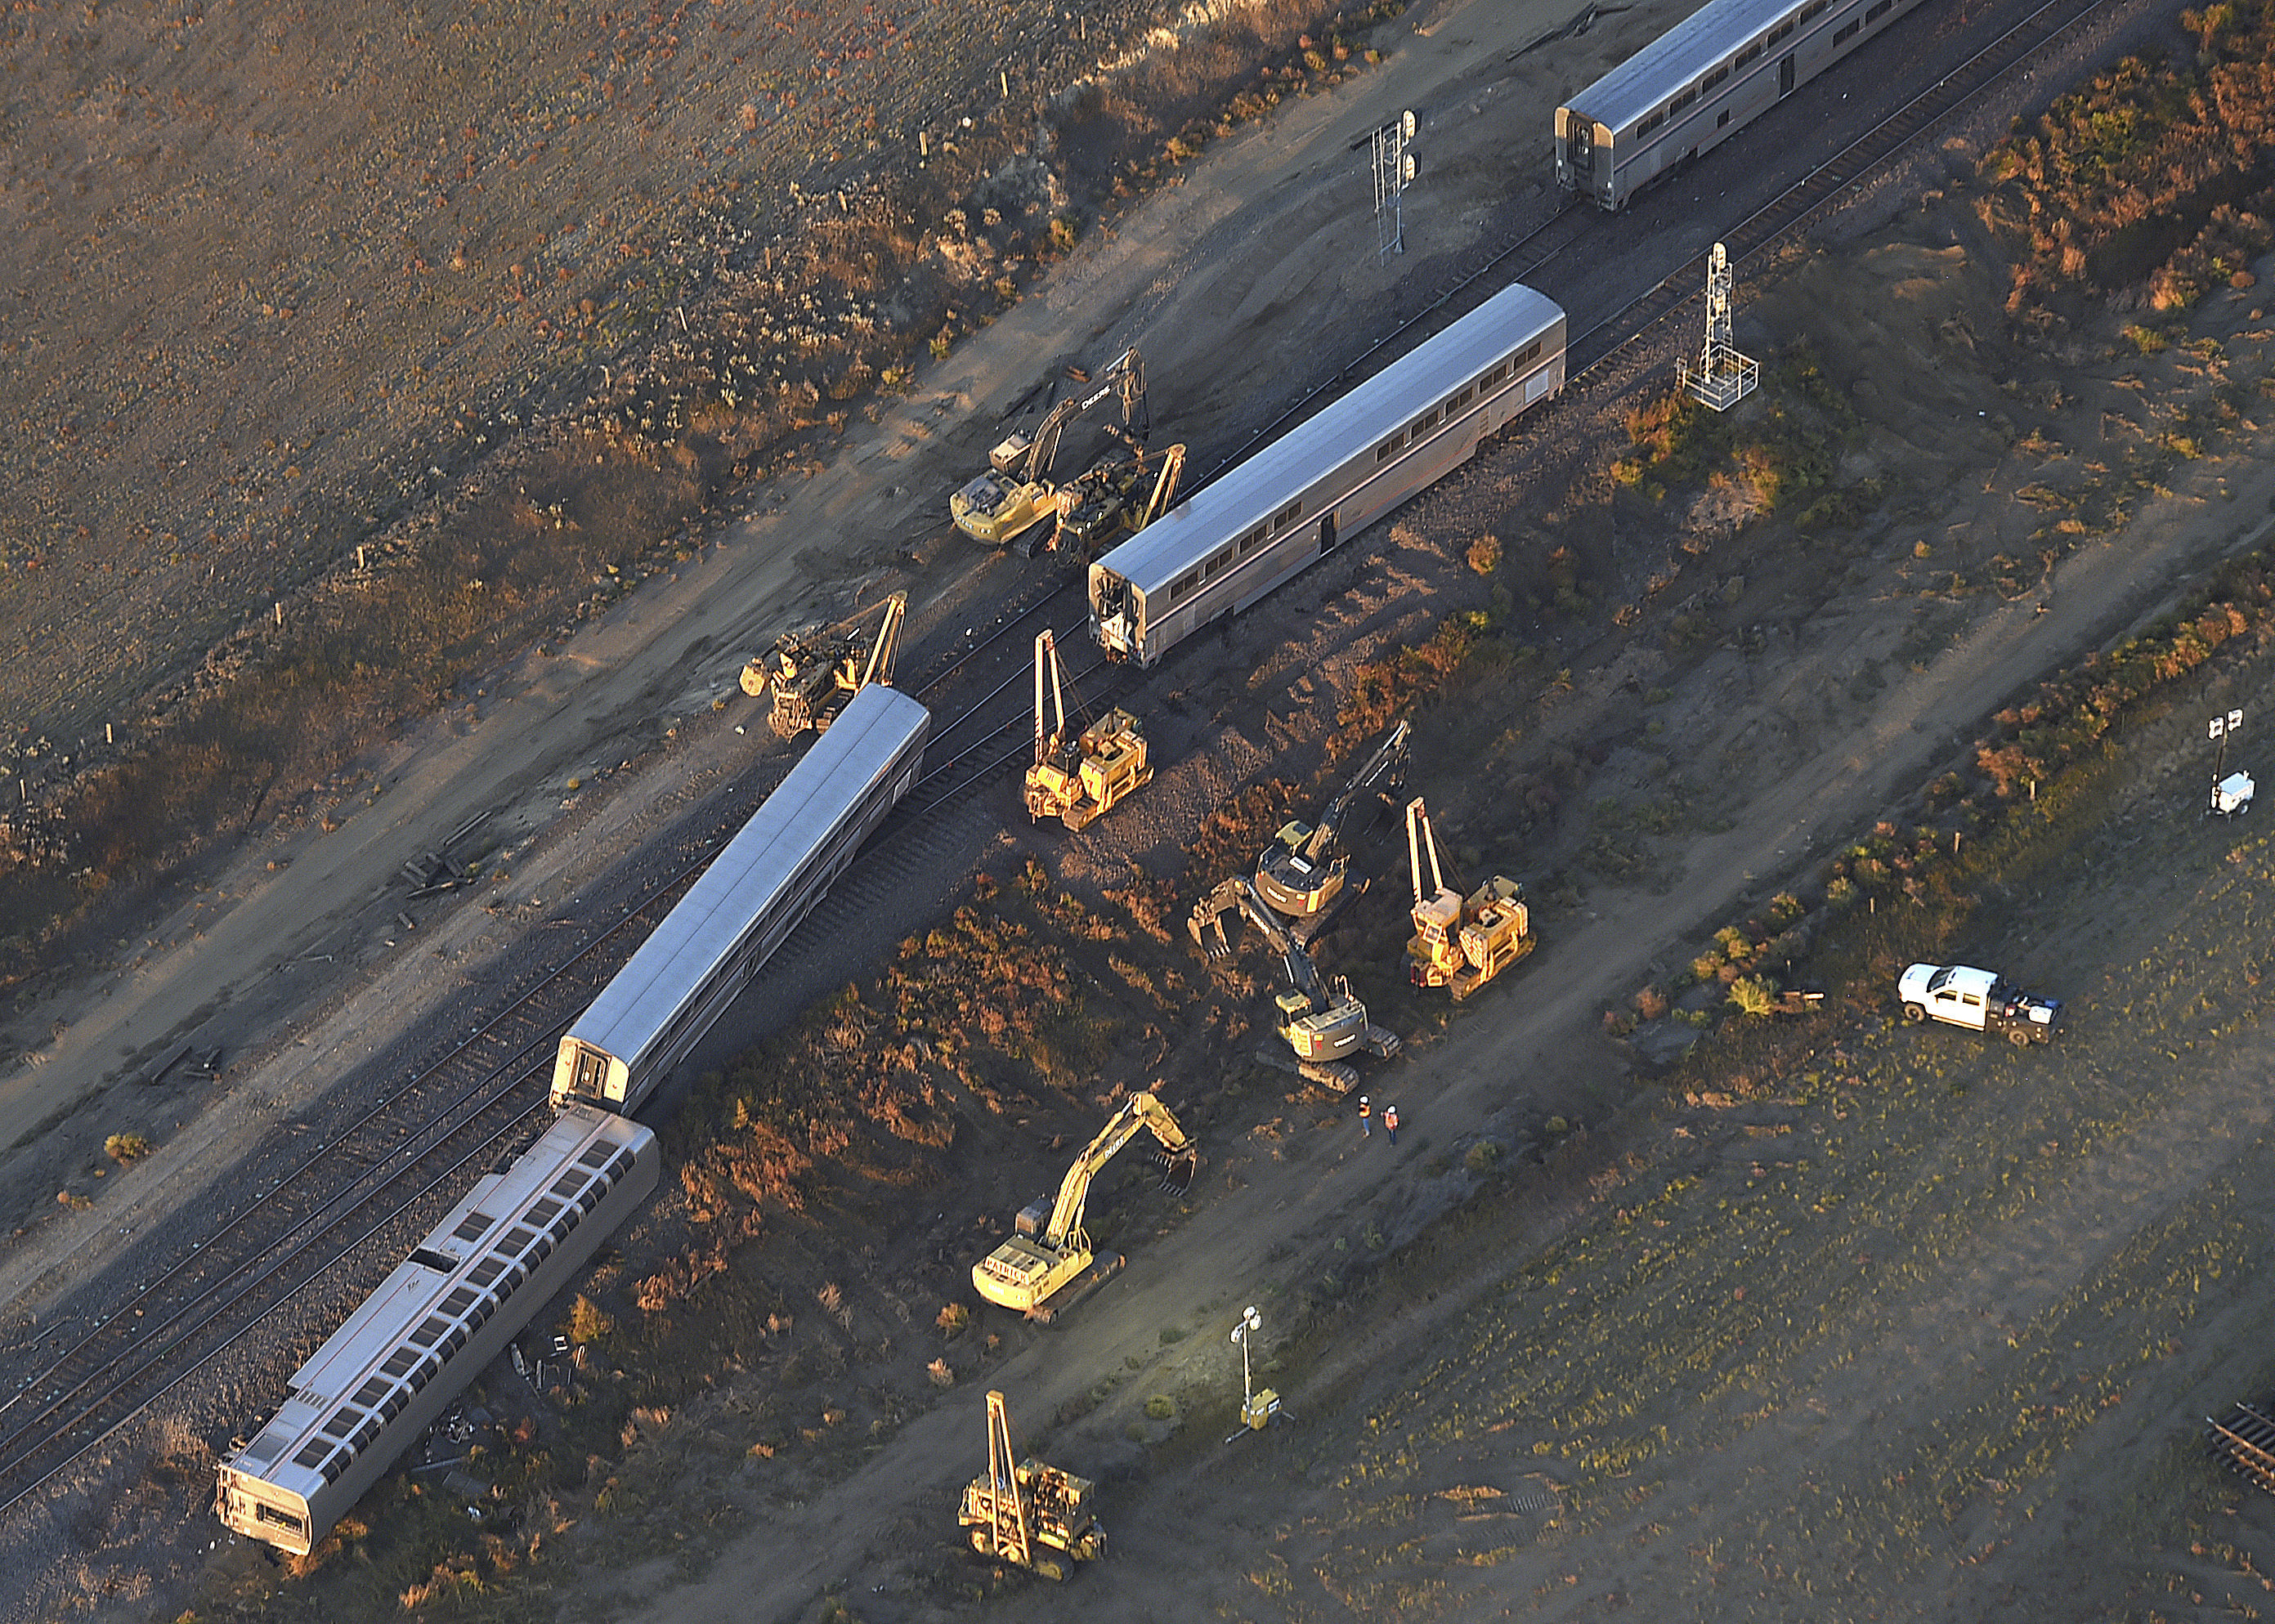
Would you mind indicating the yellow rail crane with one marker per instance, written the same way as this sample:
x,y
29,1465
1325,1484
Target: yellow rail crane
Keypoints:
x,y
1022,1512
1079,777
1016,494
1321,1020
1460,942
1301,875
1050,1249
1102,506
811,676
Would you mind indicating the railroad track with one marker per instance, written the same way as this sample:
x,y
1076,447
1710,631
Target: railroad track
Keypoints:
x,y
474,1098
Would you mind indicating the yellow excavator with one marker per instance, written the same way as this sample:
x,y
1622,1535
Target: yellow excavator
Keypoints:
x,y
1016,494
1460,942
1050,1249
811,676
1079,777
1102,506
1301,875
1321,1020
1032,1515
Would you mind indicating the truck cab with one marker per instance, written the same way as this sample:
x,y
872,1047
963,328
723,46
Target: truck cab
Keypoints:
x,y
1978,999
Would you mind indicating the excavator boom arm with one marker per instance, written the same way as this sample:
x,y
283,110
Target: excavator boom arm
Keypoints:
x,y
1140,1113
1388,761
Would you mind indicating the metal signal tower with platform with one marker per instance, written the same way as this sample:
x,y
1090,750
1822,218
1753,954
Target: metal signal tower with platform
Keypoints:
x,y
1723,377
1394,172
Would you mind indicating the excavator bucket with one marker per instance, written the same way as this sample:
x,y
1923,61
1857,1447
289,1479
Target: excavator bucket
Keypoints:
x,y
1178,1170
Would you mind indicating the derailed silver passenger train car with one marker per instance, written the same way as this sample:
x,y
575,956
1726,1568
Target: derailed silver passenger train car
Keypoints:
x,y
1330,477
1700,83
740,909
446,1311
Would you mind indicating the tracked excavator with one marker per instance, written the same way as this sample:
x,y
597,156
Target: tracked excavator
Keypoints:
x,y
812,674
1301,875
1320,1019
1050,1251
1104,505
1032,1515
1460,942
1016,494
1079,777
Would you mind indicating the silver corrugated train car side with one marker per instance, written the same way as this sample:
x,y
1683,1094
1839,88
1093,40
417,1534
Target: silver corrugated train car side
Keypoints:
x,y
447,1311
740,909
1700,83
1330,477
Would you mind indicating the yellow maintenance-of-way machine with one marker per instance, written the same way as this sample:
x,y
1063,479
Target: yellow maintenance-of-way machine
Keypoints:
x,y
1032,1515
1460,942
1079,777
1051,1250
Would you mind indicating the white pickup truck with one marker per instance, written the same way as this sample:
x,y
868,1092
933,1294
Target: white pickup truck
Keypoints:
x,y
1978,999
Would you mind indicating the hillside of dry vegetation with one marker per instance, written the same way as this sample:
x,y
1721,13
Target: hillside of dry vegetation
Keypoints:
x,y
479,356
2151,181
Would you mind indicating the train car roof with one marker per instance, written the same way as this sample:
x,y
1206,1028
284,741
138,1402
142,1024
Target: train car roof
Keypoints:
x,y
419,1287
1699,43
797,819
1252,493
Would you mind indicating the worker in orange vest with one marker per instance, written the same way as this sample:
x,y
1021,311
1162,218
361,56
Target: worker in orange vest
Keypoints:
x,y
1390,1122
1365,1115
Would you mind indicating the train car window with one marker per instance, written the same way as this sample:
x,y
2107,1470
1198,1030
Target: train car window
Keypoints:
x,y
343,1423
365,1434
1253,541
567,1186
338,1464
1424,424
401,1360
1390,447
1530,354
1848,30
369,1394
264,1511
1780,33
456,1340
1184,586
1722,118
539,1253
425,1335
1752,53
544,1212
1650,123
477,1224
1713,79
1881,8
1458,399
1814,10
1288,515
313,1453
595,1154
488,1270
1494,374
1681,101
460,1301
591,1064
393,1407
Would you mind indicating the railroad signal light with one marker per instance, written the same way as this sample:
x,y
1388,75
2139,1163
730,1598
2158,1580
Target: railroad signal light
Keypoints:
x,y
1394,172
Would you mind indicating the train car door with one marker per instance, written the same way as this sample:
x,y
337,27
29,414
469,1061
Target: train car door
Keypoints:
x,y
1785,74
1328,537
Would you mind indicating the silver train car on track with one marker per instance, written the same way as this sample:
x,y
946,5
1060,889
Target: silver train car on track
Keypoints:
x,y
1700,83
446,1311
1330,477
739,909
